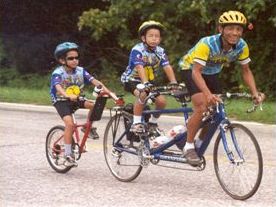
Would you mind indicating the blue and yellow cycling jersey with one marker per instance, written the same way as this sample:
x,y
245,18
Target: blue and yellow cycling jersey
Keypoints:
x,y
151,60
209,53
75,79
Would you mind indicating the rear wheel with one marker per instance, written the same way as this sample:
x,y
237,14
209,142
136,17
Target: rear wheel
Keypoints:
x,y
55,149
120,153
241,177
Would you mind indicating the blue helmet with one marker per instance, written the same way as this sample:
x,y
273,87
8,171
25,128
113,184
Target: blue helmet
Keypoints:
x,y
63,48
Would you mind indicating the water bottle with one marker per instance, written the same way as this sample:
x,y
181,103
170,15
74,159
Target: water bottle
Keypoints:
x,y
179,129
97,90
161,140
176,130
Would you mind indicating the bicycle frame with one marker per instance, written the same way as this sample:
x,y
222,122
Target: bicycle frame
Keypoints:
x,y
234,142
95,116
76,134
218,121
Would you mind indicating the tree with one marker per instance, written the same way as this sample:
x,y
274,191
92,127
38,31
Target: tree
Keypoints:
x,y
186,22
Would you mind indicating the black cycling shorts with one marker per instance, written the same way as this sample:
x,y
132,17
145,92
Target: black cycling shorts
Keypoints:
x,y
65,108
212,82
131,86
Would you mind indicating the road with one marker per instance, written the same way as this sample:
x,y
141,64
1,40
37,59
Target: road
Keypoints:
x,y
26,178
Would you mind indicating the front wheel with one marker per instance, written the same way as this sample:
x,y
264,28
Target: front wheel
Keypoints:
x,y
241,174
120,155
55,149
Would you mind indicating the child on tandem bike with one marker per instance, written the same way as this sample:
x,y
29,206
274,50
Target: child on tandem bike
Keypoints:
x,y
145,59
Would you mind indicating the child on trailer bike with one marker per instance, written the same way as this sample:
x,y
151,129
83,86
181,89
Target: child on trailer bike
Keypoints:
x,y
67,81
201,67
144,60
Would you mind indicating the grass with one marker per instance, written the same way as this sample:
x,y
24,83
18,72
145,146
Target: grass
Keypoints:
x,y
236,109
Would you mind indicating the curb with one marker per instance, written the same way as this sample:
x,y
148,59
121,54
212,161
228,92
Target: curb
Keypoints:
x,y
51,109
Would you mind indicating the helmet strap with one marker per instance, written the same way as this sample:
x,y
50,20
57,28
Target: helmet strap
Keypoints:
x,y
144,40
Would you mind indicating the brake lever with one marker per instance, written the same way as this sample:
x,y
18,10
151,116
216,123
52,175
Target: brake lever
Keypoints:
x,y
254,108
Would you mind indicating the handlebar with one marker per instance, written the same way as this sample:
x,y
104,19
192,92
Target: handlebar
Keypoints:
x,y
244,95
254,107
118,101
179,92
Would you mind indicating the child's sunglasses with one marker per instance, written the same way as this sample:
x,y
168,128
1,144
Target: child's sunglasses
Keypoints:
x,y
72,58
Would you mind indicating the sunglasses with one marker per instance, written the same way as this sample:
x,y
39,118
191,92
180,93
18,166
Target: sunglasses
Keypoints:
x,y
72,58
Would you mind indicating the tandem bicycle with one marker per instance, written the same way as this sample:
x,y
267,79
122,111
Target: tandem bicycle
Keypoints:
x,y
237,157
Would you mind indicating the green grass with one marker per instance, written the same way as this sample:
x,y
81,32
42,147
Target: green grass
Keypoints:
x,y
236,109
25,95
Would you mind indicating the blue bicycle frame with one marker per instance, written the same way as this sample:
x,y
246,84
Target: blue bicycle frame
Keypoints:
x,y
218,120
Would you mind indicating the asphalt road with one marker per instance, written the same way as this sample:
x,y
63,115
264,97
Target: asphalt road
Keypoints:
x,y
26,178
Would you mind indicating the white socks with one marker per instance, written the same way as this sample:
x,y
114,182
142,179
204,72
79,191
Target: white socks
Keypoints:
x,y
154,119
198,143
137,119
68,149
189,146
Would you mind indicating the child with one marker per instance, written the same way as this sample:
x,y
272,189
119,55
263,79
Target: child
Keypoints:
x,y
145,59
67,82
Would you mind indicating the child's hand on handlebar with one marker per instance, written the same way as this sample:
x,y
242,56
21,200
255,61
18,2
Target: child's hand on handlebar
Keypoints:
x,y
148,86
173,85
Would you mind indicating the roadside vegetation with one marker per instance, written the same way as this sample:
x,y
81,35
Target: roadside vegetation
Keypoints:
x,y
30,89
107,30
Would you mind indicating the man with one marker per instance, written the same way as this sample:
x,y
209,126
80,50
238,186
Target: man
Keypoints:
x,y
201,67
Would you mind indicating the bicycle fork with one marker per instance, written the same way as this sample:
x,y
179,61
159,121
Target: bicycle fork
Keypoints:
x,y
229,152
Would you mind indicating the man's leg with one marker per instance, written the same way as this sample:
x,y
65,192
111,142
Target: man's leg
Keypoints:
x,y
199,106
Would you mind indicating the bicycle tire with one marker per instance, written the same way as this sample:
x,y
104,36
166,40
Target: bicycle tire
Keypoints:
x,y
55,158
123,165
242,178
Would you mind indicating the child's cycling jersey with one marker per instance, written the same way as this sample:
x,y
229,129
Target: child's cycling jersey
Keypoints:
x,y
151,60
75,78
209,53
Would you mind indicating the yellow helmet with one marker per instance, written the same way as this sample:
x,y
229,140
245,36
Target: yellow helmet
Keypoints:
x,y
232,17
148,25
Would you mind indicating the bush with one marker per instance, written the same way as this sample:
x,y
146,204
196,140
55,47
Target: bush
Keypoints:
x,y
12,78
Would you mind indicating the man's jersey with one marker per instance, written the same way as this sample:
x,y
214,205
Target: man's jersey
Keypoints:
x,y
209,53
75,79
150,60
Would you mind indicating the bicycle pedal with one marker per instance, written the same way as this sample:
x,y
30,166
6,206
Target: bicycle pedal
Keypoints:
x,y
68,164
115,153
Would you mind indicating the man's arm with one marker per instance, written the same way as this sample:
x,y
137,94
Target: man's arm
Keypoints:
x,y
250,82
201,84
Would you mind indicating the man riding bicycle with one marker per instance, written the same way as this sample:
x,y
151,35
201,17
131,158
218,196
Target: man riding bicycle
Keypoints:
x,y
201,67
